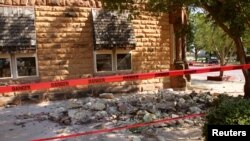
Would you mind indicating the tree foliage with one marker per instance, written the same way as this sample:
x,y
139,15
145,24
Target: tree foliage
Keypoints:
x,y
227,110
211,38
190,32
234,14
246,40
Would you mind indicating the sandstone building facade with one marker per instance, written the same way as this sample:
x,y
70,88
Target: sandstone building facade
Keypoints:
x,y
50,40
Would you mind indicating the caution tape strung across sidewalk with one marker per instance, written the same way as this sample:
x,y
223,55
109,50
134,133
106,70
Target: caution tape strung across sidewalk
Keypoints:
x,y
117,78
121,127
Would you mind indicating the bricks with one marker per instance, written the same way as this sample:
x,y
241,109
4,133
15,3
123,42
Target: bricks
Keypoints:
x,y
40,2
48,73
56,2
78,3
62,72
23,2
83,3
31,2
149,28
8,2
15,2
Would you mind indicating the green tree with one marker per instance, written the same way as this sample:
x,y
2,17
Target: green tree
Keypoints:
x,y
212,39
198,32
190,32
246,40
232,16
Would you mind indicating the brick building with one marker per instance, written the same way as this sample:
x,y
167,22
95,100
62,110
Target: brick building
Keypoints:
x,y
49,40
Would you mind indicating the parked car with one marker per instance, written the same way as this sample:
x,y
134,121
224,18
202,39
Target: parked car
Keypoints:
x,y
213,61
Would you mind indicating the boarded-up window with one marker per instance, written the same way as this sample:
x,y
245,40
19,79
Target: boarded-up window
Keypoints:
x,y
17,30
112,30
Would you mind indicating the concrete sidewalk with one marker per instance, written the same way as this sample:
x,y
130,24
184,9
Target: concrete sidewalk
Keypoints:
x,y
231,87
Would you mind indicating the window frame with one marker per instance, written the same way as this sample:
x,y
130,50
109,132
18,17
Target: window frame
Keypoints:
x,y
113,54
123,52
103,52
8,56
15,72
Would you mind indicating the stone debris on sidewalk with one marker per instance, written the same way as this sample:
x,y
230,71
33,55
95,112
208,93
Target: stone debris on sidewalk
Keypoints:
x,y
128,109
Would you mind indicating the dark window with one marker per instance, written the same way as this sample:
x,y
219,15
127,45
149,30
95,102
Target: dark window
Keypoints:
x,y
104,62
26,66
123,61
5,68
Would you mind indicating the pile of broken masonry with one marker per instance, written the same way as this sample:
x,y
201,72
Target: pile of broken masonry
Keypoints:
x,y
128,109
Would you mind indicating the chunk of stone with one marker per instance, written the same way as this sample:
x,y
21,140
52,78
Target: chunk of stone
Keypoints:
x,y
101,114
195,109
98,106
79,116
106,95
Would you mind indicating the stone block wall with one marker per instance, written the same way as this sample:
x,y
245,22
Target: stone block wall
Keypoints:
x,y
65,43
64,31
152,53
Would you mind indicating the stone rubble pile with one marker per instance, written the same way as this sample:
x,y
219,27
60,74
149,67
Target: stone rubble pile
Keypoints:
x,y
131,108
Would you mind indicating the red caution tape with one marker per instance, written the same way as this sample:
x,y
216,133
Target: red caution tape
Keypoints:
x,y
117,78
121,128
